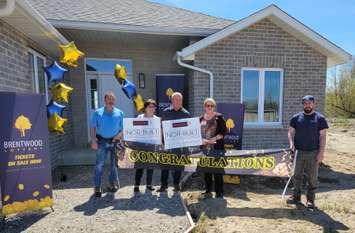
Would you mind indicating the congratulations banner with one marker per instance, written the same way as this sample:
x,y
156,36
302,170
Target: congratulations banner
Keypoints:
x,y
25,173
236,162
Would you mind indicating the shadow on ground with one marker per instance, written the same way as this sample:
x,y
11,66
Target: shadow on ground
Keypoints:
x,y
214,208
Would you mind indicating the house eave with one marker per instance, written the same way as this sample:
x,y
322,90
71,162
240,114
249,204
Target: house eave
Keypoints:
x,y
113,27
34,26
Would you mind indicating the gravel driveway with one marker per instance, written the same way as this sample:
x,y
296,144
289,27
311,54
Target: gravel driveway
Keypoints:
x,y
75,209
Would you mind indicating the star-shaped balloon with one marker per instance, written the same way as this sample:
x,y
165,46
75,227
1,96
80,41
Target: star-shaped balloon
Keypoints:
x,y
54,107
138,102
54,72
129,89
120,73
56,123
61,92
70,54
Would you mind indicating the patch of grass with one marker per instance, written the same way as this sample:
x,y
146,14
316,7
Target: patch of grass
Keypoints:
x,y
336,208
201,226
340,122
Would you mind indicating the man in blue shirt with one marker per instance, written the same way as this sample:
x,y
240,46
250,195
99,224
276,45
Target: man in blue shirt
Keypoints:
x,y
106,129
307,135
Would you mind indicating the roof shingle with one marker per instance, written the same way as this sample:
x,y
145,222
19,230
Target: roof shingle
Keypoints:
x,y
127,12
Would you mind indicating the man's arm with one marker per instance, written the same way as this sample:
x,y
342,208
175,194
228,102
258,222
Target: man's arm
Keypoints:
x,y
322,142
94,145
291,137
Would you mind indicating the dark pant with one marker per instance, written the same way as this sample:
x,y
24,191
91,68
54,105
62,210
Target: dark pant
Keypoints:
x,y
165,176
218,182
306,163
139,174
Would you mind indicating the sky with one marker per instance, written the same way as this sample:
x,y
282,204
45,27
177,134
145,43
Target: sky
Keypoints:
x,y
333,19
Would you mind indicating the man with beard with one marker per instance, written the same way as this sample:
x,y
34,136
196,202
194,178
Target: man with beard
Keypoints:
x,y
307,135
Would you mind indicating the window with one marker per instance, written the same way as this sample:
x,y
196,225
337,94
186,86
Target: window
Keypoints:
x,y
261,95
108,65
37,63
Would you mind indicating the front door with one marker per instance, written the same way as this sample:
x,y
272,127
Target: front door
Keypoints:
x,y
98,84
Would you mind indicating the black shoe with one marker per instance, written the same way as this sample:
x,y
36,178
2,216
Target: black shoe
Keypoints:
x,y
206,195
149,188
162,189
97,192
311,206
136,189
112,188
292,200
177,188
219,195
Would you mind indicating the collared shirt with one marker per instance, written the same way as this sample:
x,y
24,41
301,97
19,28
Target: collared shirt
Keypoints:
x,y
171,114
107,124
142,116
307,130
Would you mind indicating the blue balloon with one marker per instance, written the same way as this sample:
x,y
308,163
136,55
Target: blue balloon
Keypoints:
x,y
129,89
54,107
54,72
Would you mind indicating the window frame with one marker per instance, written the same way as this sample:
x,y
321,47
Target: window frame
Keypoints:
x,y
35,80
261,98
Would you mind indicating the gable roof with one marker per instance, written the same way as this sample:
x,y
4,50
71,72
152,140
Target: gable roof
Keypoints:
x,y
335,55
129,16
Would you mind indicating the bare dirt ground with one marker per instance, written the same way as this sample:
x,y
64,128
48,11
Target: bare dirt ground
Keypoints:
x,y
256,205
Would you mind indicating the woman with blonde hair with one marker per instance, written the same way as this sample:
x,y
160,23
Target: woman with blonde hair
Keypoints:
x,y
213,129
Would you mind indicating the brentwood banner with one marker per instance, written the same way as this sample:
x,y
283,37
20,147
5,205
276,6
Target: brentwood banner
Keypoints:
x,y
236,162
25,173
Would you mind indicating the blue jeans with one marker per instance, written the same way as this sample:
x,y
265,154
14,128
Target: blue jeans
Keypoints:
x,y
101,155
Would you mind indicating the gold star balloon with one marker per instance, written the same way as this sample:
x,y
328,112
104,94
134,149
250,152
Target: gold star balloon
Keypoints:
x,y
56,123
70,54
138,102
61,92
120,73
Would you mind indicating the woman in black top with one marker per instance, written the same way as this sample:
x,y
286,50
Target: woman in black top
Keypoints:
x,y
213,129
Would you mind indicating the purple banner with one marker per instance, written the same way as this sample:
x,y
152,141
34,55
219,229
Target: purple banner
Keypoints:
x,y
25,173
234,116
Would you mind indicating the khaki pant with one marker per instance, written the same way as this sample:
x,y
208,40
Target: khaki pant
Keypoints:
x,y
306,163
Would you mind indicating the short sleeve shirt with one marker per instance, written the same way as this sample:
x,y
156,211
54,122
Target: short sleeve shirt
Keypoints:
x,y
307,130
107,124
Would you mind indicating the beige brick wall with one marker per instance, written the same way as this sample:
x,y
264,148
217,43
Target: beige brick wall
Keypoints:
x,y
263,45
154,59
15,76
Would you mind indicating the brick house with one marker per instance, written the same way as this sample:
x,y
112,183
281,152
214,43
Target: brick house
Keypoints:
x,y
267,60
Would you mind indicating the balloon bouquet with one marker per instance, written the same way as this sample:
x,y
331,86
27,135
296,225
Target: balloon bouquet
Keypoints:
x,y
128,88
60,91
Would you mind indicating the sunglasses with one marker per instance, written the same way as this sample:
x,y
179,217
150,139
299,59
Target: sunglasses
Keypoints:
x,y
209,106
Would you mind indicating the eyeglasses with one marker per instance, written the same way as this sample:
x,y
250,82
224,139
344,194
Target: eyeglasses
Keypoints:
x,y
151,106
209,106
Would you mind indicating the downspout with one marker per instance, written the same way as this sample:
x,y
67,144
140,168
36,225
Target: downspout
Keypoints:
x,y
197,69
8,9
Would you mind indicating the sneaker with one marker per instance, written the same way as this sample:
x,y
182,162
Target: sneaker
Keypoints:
x,y
149,188
162,189
293,200
136,189
112,188
177,188
97,192
311,206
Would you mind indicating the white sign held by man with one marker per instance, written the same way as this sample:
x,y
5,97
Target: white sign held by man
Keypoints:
x,y
182,133
144,130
